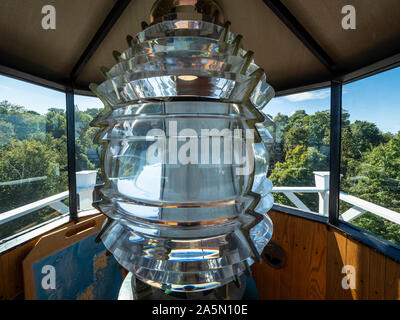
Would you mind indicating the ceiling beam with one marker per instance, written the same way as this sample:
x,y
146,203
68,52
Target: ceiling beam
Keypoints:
x,y
301,33
46,80
371,69
100,35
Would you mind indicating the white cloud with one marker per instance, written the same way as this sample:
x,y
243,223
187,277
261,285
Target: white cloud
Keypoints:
x,y
3,87
311,95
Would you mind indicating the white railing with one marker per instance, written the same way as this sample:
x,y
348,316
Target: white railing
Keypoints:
x,y
53,201
322,188
361,206
22,181
85,181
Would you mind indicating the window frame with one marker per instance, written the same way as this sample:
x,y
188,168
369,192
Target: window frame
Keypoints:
x,y
370,239
17,239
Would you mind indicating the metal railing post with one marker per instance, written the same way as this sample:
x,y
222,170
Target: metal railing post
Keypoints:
x,y
85,182
322,182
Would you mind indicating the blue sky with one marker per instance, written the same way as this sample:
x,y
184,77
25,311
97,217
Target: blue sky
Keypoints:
x,y
38,98
375,99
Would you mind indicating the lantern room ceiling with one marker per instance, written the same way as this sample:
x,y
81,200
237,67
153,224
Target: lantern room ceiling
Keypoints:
x,y
301,44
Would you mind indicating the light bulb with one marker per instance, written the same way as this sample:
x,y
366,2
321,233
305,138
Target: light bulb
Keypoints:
x,y
187,78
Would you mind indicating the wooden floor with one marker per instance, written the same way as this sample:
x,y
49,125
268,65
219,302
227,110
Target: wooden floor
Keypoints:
x,y
315,258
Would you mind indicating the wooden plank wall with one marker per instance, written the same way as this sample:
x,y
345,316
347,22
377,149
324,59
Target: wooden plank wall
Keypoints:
x,y
315,258
11,276
377,277
303,277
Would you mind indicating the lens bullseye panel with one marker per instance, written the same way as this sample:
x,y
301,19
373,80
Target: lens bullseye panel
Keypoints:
x,y
185,157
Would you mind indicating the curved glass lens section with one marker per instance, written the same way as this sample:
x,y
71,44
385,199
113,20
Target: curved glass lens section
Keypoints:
x,y
175,82
184,157
179,59
184,28
209,47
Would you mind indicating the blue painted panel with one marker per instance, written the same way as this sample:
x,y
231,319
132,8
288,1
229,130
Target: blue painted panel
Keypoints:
x,y
83,271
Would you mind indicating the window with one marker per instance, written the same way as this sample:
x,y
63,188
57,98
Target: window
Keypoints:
x,y
299,150
370,163
33,165
87,152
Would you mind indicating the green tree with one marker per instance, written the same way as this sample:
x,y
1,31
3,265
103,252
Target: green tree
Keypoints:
x,y
9,108
307,130
93,112
31,158
377,179
25,123
365,136
85,146
32,146
6,132
297,170
56,123
370,164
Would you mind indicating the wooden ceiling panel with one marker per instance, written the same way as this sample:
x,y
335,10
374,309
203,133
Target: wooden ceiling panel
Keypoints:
x,y
377,33
129,23
286,61
52,54
25,44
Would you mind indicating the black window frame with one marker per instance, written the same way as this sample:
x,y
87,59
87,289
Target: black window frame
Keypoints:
x,y
370,239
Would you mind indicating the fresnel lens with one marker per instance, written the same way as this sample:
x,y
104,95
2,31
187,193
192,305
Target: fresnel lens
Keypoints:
x,y
184,151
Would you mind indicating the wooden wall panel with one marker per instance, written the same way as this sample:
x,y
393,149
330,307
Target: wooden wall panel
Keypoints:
x,y
337,248
316,271
286,274
358,256
392,280
315,258
11,275
268,283
304,275
2,281
377,273
377,277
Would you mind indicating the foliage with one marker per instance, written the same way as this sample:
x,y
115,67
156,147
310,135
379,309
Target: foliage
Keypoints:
x,y
370,163
297,170
34,146
377,179
31,158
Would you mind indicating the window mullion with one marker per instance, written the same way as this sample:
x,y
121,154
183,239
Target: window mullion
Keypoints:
x,y
70,110
335,146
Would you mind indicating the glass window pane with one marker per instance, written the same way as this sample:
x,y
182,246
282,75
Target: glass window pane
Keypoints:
x,y
87,152
33,165
370,164
299,150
